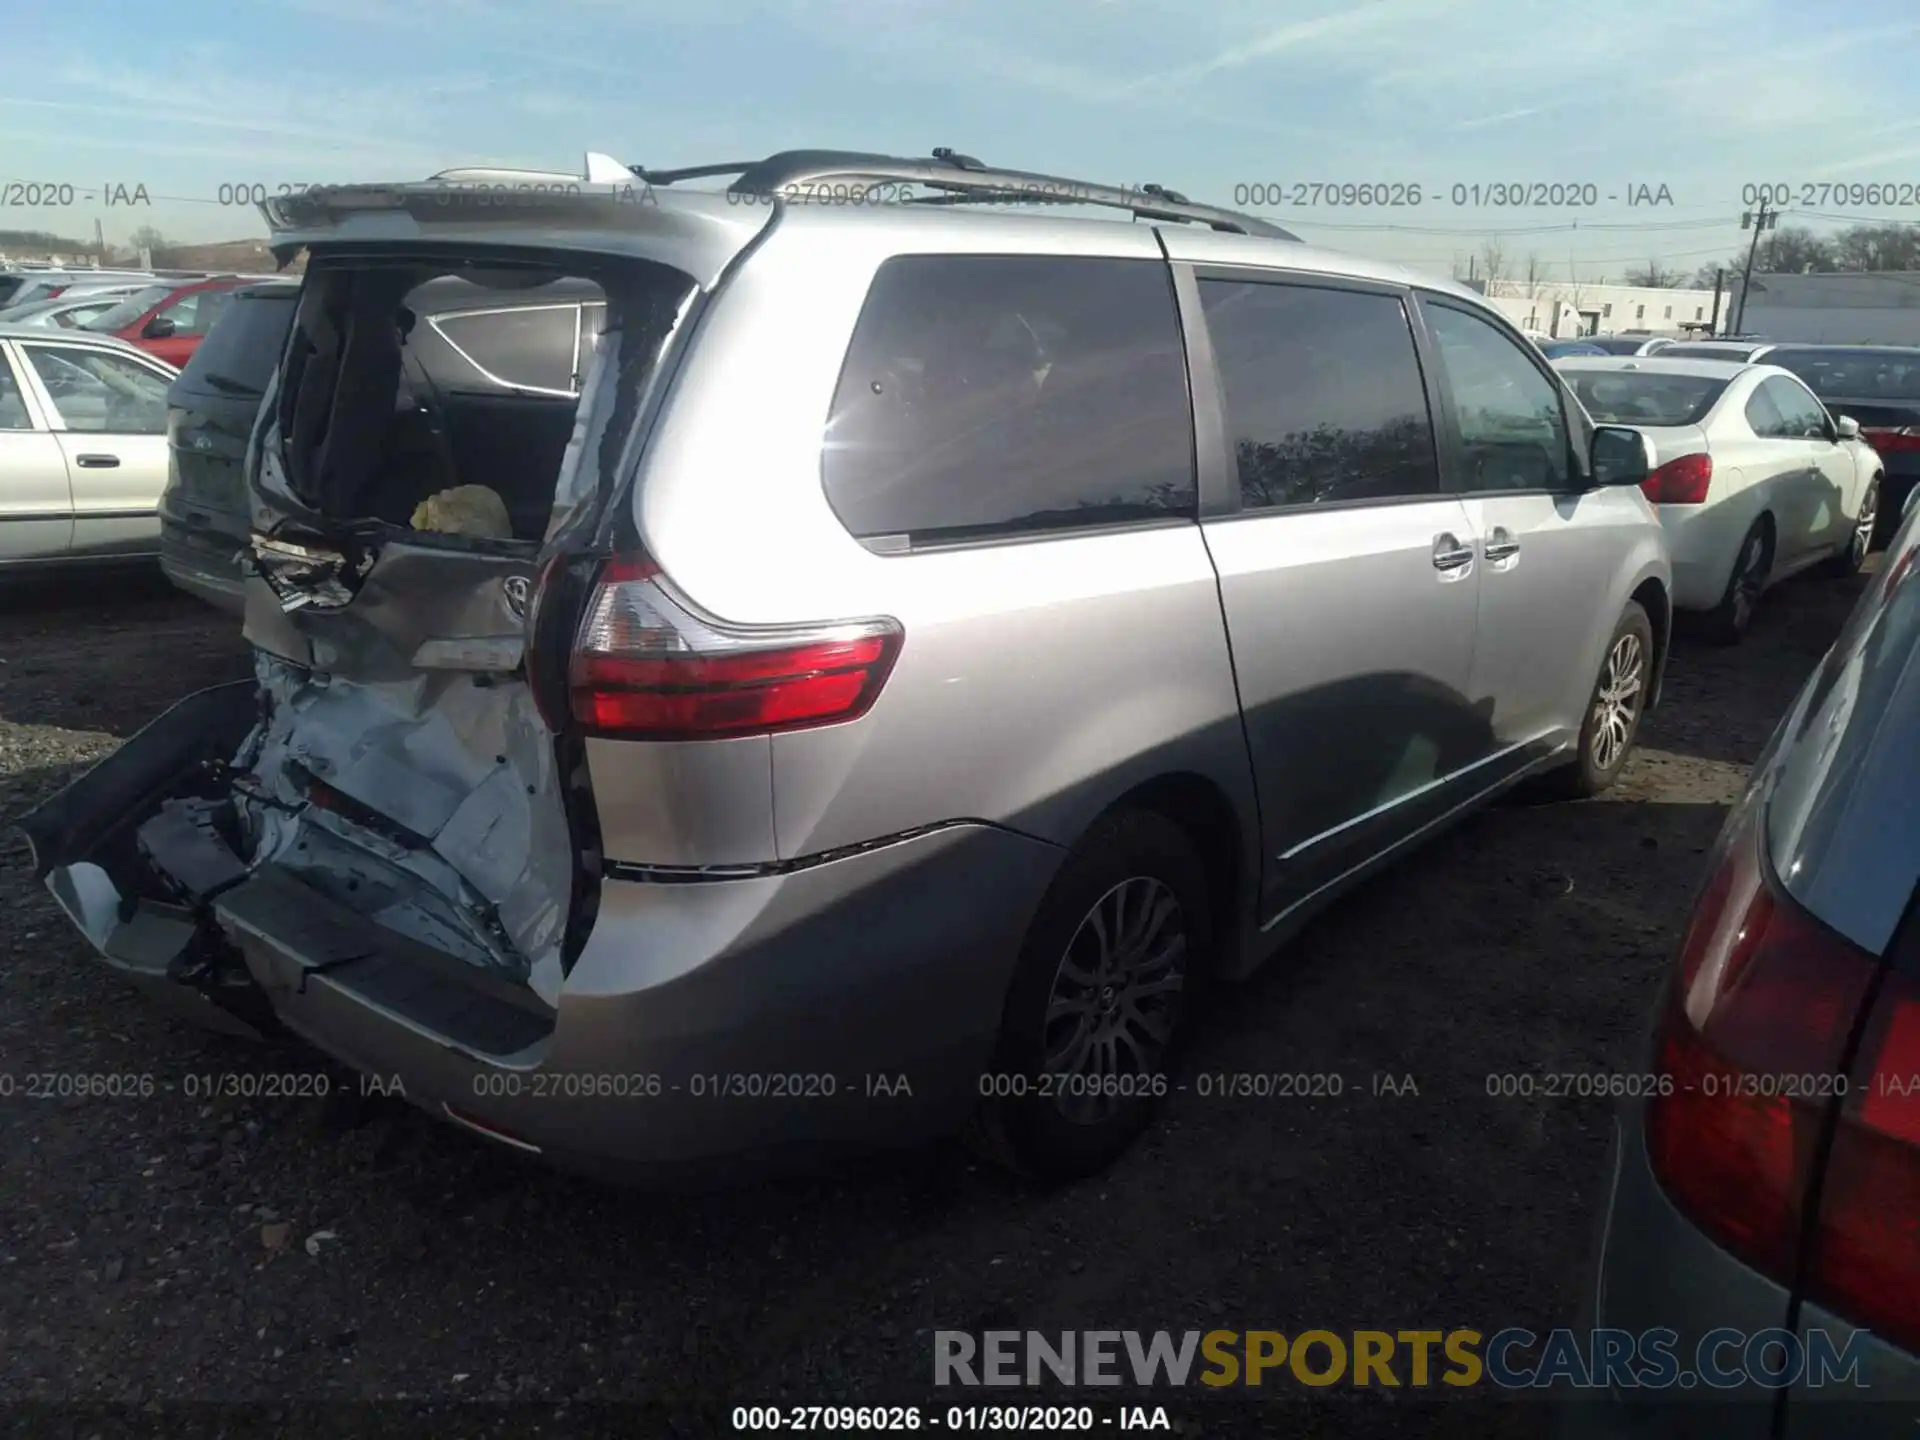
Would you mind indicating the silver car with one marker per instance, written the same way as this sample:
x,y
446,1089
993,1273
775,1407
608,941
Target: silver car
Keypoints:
x,y
1759,1199
83,448
60,314
30,286
936,637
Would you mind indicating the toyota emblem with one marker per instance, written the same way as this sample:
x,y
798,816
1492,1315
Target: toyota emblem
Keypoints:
x,y
517,589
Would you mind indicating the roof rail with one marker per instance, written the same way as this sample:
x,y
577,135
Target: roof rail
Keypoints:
x,y
964,180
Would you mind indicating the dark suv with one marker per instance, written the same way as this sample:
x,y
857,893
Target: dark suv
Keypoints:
x,y
492,363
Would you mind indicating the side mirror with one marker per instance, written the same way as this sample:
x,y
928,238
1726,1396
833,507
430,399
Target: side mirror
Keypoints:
x,y
1619,455
1846,427
158,328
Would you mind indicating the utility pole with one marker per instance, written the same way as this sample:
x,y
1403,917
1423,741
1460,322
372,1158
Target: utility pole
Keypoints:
x,y
1761,219
1719,288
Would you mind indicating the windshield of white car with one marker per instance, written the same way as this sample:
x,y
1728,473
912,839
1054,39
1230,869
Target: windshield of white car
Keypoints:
x,y
1616,397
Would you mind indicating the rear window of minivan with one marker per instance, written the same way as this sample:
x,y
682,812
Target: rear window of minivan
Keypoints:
x,y
993,396
245,344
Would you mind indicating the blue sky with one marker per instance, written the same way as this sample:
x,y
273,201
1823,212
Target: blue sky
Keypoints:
x,y
1702,96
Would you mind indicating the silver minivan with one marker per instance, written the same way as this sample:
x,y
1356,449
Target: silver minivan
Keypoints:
x,y
938,637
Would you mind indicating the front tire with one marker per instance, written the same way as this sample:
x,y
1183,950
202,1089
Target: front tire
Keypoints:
x,y
1095,1014
1614,708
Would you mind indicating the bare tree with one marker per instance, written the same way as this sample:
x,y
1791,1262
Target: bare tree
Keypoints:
x,y
1535,274
1493,262
1877,247
1574,294
1793,249
1655,276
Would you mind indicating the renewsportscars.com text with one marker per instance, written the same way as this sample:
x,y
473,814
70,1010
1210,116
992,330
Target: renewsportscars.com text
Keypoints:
x,y
1509,1359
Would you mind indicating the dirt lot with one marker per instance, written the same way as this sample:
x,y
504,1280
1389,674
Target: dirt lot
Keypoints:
x,y
162,1250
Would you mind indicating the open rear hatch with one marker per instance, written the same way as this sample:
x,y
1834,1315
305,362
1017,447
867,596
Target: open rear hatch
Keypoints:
x,y
387,792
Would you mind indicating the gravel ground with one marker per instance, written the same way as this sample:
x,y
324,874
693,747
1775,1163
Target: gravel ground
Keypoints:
x,y
159,1250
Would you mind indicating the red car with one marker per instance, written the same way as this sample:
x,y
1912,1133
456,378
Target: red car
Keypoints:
x,y
168,318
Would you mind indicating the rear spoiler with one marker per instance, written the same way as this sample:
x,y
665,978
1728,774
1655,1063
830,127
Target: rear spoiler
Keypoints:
x,y
597,210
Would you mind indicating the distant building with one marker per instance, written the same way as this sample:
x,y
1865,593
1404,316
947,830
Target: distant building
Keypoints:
x,y
1871,308
1562,309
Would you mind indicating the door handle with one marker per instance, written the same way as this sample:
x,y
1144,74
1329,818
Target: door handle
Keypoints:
x,y
1500,545
1449,553
96,462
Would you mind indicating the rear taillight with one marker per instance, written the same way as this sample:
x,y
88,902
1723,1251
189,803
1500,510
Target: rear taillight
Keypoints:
x,y
1888,441
1750,1047
1865,1262
1681,481
645,665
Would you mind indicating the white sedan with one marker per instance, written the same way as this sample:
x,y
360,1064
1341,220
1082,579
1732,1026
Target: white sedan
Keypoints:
x,y
1754,480
83,448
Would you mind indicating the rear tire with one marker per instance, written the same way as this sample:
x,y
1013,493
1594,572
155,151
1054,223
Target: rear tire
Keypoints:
x,y
1096,1012
1847,563
1752,565
1613,709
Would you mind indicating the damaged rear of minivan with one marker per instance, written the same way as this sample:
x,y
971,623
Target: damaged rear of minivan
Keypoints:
x,y
387,842
497,814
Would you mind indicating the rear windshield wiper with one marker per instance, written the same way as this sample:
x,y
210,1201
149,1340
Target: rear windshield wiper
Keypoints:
x,y
229,385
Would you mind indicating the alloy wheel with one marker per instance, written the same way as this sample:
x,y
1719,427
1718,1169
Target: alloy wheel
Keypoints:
x,y
1617,705
1749,579
1116,999
1863,527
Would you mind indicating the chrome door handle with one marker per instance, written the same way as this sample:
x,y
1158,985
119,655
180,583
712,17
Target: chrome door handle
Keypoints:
x,y
1449,553
1500,545
96,462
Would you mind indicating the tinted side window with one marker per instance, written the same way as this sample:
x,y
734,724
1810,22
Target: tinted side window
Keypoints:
x,y
1513,428
1763,416
197,313
1803,415
1000,395
530,348
1323,393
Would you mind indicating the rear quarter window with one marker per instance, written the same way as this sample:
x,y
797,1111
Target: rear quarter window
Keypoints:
x,y
991,396
526,348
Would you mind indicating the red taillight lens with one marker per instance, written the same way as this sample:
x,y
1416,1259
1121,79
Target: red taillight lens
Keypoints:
x,y
1752,1040
1866,1251
54,292
1887,441
1681,481
645,665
